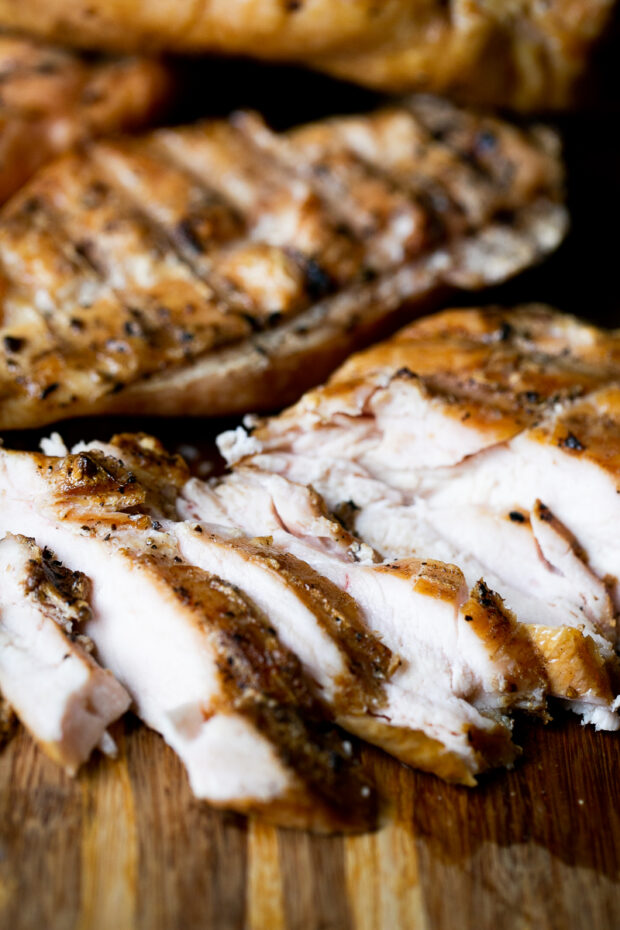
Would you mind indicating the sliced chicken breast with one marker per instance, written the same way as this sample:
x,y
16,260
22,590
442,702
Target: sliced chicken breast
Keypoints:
x,y
47,674
464,439
527,55
222,267
202,664
335,638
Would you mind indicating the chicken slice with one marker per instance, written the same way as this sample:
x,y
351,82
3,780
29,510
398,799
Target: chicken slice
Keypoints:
x,y
417,606
202,664
47,674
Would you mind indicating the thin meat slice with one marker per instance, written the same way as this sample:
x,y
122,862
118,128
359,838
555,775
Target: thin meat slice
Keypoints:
x,y
396,719
47,673
321,624
202,664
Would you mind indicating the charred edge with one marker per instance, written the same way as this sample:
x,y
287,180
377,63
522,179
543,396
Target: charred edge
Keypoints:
x,y
160,474
303,736
62,592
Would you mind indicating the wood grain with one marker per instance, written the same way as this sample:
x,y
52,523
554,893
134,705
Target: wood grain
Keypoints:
x,y
125,846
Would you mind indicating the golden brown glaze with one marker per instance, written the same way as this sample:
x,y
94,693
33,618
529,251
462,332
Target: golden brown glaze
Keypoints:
x,y
524,55
223,267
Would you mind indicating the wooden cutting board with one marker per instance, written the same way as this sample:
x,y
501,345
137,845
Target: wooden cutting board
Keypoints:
x,y
125,845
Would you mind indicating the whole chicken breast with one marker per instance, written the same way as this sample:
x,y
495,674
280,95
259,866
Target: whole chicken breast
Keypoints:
x,y
52,99
527,55
222,267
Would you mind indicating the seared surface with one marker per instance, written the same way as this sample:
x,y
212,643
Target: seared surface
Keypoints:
x,y
222,267
526,55
51,100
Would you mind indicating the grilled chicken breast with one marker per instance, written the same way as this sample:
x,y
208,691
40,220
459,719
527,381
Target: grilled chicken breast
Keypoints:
x,y
485,438
202,663
51,100
47,674
221,267
524,55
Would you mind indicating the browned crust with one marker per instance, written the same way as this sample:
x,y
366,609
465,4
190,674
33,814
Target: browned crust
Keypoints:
x,y
507,644
62,593
414,747
370,663
265,682
573,665
498,370
589,429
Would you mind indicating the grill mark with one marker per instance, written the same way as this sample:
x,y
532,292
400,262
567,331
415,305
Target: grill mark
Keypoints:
x,y
341,186
268,181
203,258
210,323
122,335
435,197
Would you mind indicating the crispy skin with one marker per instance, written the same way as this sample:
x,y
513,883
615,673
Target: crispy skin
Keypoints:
x,y
222,267
525,55
51,100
